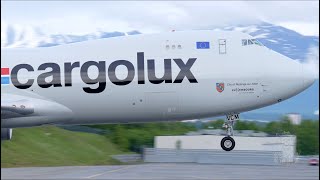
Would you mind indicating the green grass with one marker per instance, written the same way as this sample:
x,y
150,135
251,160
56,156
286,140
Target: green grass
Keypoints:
x,y
53,146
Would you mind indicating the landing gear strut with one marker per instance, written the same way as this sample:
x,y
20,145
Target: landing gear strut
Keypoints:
x,y
228,143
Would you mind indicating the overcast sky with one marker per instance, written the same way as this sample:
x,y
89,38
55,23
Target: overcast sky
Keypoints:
x,y
80,17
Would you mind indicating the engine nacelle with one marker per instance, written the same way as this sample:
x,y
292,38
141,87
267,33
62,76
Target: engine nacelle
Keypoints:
x,y
6,134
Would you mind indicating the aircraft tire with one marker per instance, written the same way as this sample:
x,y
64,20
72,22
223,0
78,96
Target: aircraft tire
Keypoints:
x,y
227,143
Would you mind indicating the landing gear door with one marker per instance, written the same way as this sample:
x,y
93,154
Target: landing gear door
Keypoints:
x,y
222,46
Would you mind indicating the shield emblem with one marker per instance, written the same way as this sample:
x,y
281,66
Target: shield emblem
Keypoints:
x,y
220,87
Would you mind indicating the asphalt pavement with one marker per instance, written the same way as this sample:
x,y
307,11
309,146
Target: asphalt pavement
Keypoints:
x,y
163,171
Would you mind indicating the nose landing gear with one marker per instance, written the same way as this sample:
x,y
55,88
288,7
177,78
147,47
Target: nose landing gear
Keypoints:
x,y
227,143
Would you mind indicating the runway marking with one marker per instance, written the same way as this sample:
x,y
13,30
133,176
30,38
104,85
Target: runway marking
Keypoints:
x,y
96,175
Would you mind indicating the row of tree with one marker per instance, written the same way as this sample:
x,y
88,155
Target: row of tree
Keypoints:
x,y
133,137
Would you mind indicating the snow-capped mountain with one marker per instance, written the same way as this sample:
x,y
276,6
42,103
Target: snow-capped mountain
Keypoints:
x,y
277,38
15,36
285,41
280,39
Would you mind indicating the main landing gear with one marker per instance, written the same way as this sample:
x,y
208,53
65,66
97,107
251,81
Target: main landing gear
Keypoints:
x,y
228,143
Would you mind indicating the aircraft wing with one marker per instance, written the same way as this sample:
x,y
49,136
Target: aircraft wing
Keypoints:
x,y
25,110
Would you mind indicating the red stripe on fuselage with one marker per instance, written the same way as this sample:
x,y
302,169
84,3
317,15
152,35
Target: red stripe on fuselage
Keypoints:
x,y
5,71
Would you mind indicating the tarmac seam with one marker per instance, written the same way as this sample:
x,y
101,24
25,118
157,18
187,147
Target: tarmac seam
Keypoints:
x,y
115,170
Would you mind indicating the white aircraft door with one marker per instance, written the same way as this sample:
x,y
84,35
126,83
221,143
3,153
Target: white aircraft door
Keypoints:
x,y
222,46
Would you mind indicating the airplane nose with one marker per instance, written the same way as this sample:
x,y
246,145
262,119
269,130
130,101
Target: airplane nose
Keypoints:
x,y
290,79
309,76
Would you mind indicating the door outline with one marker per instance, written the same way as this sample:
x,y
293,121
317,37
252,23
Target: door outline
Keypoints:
x,y
222,46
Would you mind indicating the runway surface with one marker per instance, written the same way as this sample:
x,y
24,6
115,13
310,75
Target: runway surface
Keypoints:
x,y
166,171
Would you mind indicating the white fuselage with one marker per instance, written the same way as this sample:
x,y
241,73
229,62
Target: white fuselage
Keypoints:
x,y
249,77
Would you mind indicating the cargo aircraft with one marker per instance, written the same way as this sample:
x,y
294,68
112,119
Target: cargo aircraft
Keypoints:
x,y
169,76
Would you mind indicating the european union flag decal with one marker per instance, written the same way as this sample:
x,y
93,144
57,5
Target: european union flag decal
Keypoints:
x,y
203,45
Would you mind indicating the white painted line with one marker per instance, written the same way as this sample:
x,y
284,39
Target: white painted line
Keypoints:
x,y
96,175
